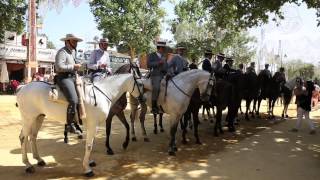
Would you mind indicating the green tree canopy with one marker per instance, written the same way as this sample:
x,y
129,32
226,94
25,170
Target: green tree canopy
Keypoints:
x,y
249,13
195,28
133,23
12,16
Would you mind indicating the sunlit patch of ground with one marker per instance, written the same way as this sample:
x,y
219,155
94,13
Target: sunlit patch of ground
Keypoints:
x,y
260,149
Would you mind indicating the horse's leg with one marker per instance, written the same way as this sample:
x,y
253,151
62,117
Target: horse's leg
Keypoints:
x,y
184,124
248,102
258,110
25,132
133,113
218,121
108,132
272,107
91,133
123,119
33,138
142,118
203,112
160,122
209,113
155,125
173,130
196,123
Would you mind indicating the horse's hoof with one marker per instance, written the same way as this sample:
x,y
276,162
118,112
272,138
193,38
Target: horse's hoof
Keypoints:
x,y
89,174
155,131
287,116
66,140
175,149
30,170
231,129
134,139
92,164
282,115
110,152
184,142
41,163
80,136
161,130
198,142
146,139
172,153
125,145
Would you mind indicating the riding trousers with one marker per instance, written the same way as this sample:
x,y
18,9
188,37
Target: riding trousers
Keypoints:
x,y
155,81
67,86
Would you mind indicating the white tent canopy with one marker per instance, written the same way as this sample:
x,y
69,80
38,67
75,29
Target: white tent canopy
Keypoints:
x,y
4,76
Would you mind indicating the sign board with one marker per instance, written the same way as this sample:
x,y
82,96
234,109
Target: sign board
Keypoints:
x,y
10,37
20,53
41,42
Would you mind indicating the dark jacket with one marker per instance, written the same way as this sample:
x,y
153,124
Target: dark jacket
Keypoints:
x,y
206,65
156,69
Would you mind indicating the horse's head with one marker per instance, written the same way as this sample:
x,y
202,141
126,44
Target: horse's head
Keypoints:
x,y
137,90
205,84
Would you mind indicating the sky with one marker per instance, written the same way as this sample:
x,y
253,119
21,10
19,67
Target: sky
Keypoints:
x,y
299,34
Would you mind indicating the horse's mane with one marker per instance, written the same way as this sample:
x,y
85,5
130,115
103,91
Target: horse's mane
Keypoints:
x,y
187,73
126,68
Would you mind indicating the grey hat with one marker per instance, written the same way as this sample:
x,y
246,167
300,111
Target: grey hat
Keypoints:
x,y
71,37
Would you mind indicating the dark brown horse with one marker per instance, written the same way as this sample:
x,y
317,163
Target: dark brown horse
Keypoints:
x,y
118,110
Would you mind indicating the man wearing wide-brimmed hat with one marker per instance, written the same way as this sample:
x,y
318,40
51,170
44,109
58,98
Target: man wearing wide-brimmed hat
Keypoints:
x,y
99,60
157,65
251,68
206,63
228,66
66,66
178,63
266,71
217,65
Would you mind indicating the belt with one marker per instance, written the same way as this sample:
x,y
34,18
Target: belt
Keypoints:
x,y
96,71
66,74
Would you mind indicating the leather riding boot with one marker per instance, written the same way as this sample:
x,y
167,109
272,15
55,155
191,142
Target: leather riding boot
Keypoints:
x,y
70,119
155,109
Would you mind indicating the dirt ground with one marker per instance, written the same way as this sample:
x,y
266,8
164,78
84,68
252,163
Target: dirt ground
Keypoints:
x,y
260,149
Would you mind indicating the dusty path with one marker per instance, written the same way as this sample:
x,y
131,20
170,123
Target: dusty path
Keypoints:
x,y
259,150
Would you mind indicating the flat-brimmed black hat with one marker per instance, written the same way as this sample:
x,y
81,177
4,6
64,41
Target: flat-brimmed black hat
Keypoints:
x,y
221,55
208,52
229,59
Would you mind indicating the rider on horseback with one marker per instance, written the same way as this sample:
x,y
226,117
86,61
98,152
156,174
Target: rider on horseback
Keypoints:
x,y
228,66
217,65
251,68
157,65
206,64
266,71
99,60
178,63
66,67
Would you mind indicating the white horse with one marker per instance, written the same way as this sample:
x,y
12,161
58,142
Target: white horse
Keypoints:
x,y
179,92
34,105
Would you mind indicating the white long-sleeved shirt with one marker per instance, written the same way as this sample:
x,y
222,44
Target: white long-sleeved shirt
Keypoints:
x,y
99,57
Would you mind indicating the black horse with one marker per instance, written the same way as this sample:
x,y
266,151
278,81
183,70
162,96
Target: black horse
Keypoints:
x,y
270,89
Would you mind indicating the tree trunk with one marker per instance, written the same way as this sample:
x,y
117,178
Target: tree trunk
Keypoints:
x,y
132,52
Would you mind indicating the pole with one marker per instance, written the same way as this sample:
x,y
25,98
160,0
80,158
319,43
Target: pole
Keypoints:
x,y
31,64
